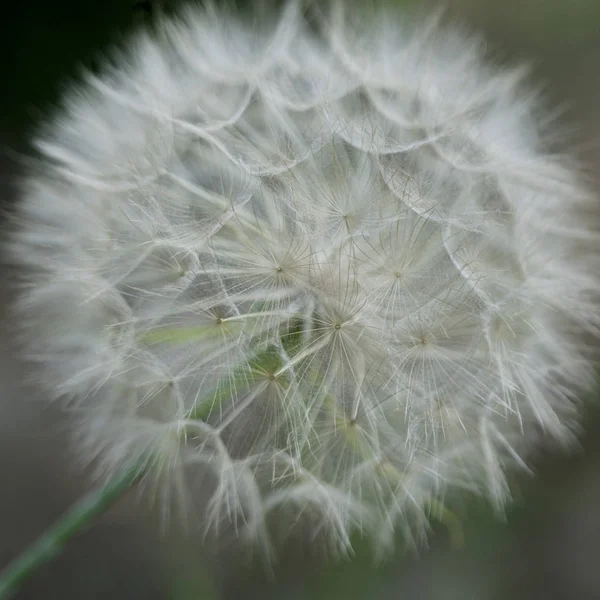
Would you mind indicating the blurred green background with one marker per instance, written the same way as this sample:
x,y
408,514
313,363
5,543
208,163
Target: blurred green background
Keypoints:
x,y
547,547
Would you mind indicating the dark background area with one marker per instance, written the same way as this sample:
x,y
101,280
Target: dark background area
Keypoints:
x,y
547,547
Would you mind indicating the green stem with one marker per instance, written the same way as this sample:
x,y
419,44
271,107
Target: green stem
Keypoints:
x,y
51,542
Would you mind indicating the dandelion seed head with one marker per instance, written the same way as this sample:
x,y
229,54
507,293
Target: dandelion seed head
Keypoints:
x,y
328,260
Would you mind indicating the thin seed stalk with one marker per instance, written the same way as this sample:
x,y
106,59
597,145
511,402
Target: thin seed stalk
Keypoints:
x,y
50,544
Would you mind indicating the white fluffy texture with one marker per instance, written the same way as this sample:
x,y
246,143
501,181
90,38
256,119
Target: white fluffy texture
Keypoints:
x,y
331,263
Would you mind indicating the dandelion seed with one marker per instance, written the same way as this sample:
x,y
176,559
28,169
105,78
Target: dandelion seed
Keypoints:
x,y
329,260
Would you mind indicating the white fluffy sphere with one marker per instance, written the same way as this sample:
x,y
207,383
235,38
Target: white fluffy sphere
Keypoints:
x,y
330,260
